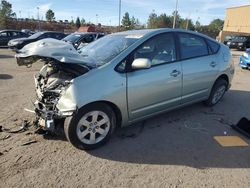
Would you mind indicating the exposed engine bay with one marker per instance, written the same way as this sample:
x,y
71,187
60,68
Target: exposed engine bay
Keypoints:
x,y
53,78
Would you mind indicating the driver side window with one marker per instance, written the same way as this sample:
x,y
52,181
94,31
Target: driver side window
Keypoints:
x,y
159,49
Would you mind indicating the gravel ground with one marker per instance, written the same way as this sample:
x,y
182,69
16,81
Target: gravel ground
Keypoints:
x,y
165,151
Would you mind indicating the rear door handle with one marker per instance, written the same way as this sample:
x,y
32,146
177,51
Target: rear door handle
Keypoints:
x,y
175,73
213,64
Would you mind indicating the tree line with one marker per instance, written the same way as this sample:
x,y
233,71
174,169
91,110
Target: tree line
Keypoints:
x,y
166,21
128,22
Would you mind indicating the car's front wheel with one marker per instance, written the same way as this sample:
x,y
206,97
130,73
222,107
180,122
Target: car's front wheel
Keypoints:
x,y
91,126
217,92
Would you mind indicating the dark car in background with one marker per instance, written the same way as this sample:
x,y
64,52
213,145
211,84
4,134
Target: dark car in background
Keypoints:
x,y
77,38
239,42
7,35
17,44
228,39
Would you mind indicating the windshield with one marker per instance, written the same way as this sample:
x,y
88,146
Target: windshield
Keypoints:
x,y
72,37
36,35
105,49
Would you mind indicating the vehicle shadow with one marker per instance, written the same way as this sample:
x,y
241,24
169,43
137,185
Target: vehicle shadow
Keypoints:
x,y
5,76
184,137
6,56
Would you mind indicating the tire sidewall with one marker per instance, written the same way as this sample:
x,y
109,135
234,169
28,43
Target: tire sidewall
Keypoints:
x,y
70,125
217,85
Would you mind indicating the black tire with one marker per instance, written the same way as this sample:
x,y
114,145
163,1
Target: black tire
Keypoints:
x,y
70,125
218,84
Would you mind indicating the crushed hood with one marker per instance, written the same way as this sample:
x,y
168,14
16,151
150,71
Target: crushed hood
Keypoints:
x,y
52,48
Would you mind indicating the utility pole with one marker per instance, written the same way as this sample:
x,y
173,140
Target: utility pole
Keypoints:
x,y
175,15
188,21
38,17
96,19
119,25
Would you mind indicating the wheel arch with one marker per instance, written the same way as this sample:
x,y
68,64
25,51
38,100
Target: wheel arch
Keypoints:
x,y
224,77
114,107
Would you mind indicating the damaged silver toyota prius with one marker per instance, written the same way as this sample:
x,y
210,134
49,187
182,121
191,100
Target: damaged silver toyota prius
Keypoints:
x,y
124,78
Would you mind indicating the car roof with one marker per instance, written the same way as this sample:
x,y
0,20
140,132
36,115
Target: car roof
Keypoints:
x,y
51,32
10,30
83,33
145,32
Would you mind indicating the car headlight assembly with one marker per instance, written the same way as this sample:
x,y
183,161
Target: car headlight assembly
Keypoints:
x,y
16,42
245,55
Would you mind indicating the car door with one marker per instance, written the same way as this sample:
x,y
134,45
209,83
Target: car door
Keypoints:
x,y
4,38
158,88
14,34
199,67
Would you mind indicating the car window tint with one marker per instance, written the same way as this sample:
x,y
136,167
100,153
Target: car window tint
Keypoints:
x,y
57,35
192,46
14,34
159,49
4,34
100,36
42,36
87,39
213,46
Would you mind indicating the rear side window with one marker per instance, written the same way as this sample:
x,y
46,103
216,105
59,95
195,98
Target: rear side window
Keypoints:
x,y
4,34
213,46
192,46
100,36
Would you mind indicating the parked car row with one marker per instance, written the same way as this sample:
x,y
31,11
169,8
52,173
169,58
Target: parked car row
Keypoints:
x,y
7,35
16,40
17,44
238,42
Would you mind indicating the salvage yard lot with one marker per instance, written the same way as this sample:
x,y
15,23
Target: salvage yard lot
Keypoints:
x,y
175,149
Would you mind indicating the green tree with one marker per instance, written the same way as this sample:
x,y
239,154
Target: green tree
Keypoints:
x,y
83,22
152,20
126,23
78,23
50,15
213,29
133,23
164,21
216,24
5,13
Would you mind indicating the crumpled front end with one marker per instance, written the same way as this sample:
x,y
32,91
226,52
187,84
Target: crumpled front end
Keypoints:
x,y
51,84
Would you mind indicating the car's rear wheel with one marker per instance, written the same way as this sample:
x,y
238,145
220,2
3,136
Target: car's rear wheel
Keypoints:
x,y
91,126
217,92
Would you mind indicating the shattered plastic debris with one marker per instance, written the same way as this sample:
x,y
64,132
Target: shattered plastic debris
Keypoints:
x,y
5,137
29,142
22,128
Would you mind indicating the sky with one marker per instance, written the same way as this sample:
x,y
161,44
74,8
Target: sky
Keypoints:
x,y
106,12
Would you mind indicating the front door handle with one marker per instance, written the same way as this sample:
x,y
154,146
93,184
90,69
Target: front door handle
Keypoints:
x,y
213,64
175,73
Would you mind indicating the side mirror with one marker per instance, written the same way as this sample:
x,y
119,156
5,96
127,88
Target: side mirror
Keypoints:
x,y
141,63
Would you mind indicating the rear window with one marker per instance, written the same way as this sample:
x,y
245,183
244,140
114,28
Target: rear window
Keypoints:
x,y
192,46
213,46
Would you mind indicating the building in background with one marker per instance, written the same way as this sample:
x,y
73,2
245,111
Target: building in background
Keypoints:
x,y
237,22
